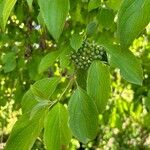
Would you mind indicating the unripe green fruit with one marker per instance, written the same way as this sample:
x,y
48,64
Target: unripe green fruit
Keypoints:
x,y
76,60
89,61
84,53
92,53
86,58
80,64
73,56
87,53
102,52
97,51
95,57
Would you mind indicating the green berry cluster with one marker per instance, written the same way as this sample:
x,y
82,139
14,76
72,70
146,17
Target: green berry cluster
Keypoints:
x,y
88,52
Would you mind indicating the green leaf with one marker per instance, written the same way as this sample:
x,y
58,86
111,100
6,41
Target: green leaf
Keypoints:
x,y
28,101
25,131
130,67
98,84
40,91
9,61
38,107
93,4
146,120
6,7
91,28
114,4
19,92
83,116
33,68
48,60
30,4
81,77
115,119
105,17
44,88
64,56
133,17
147,103
76,41
56,133
40,19
54,14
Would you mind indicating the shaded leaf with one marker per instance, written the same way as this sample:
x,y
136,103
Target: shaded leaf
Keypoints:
x,y
76,41
105,17
147,103
9,61
91,28
33,68
64,56
81,77
83,114
48,60
146,120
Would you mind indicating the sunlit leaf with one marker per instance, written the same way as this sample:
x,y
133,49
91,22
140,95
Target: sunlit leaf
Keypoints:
x,y
28,101
38,107
130,67
93,4
54,14
6,7
30,4
133,17
25,131
56,133
40,91
44,88
98,84
114,4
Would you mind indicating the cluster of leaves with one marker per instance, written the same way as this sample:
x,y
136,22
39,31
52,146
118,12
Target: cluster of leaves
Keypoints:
x,y
64,100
